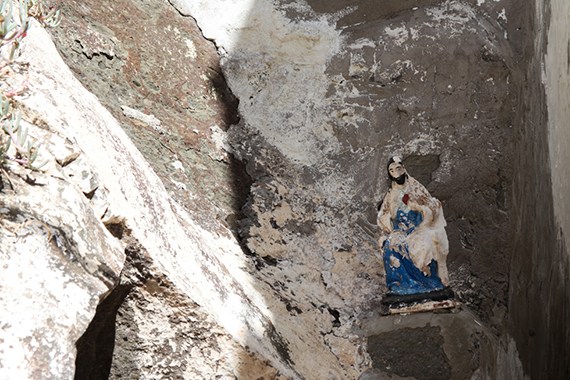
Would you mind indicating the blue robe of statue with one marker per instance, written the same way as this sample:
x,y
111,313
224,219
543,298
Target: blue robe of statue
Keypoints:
x,y
402,276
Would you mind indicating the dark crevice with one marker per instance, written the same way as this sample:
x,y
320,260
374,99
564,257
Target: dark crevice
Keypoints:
x,y
241,187
279,343
336,316
118,230
292,309
269,260
90,194
95,347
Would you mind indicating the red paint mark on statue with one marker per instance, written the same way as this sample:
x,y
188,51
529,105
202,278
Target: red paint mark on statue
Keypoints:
x,y
405,199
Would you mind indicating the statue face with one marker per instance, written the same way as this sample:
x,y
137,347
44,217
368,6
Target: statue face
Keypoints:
x,y
396,169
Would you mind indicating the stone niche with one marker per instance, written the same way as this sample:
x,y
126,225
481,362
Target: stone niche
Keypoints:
x,y
429,83
426,85
288,158
321,111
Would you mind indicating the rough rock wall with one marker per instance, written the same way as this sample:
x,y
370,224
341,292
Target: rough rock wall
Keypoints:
x,y
323,103
327,92
540,264
57,262
324,107
57,258
148,329
97,170
161,80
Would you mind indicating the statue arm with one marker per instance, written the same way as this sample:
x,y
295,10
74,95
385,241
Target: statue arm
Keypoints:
x,y
384,218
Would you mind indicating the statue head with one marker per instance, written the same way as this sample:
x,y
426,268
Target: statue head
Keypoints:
x,y
396,170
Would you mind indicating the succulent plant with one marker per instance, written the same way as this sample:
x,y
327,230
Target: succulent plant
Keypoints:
x,y
48,18
26,151
12,134
6,23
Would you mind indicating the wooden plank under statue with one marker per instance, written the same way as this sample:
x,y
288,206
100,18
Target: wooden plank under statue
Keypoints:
x,y
414,246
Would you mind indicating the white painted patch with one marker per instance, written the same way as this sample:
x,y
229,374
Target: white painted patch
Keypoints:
x,y
278,65
503,15
399,34
415,33
191,53
178,165
149,120
452,20
360,43
220,139
179,185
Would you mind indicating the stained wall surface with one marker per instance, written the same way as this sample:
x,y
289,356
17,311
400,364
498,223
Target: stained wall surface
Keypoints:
x,y
557,66
540,264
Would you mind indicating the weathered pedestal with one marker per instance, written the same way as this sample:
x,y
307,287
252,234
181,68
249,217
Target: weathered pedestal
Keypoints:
x,y
413,303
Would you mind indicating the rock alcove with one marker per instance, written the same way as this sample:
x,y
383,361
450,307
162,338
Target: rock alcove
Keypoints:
x,y
236,153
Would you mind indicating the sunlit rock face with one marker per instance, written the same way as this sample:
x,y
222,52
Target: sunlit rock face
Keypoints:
x,y
58,258
148,329
96,191
57,262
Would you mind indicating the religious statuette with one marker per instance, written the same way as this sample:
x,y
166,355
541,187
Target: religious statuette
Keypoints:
x,y
414,246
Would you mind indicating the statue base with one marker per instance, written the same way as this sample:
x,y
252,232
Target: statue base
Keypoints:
x,y
414,303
